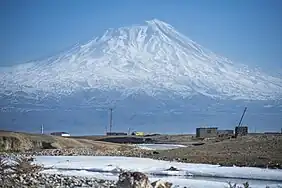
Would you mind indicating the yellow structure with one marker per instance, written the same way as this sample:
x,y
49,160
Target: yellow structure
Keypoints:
x,y
139,133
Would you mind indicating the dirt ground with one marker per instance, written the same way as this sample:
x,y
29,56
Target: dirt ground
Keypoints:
x,y
14,141
253,150
256,150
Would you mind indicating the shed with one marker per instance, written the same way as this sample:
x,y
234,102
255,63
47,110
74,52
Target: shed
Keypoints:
x,y
138,133
116,134
241,130
60,134
208,132
225,132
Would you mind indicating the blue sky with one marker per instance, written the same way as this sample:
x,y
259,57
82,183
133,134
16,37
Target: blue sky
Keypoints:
x,y
248,32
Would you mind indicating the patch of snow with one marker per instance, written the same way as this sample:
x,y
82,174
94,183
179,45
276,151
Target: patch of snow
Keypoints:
x,y
193,175
159,146
268,106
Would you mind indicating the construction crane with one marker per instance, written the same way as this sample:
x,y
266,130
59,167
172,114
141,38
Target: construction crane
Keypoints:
x,y
240,122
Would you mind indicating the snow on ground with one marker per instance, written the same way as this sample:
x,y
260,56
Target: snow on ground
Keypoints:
x,y
159,146
189,175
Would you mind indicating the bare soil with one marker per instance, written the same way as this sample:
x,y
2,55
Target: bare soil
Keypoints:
x,y
258,150
14,141
255,150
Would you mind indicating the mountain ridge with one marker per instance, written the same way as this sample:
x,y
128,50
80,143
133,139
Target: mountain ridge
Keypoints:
x,y
153,58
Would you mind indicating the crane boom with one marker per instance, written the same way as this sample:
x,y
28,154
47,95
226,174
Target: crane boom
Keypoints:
x,y
240,122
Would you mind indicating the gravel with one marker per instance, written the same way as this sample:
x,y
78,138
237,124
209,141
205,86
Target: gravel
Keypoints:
x,y
41,180
134,152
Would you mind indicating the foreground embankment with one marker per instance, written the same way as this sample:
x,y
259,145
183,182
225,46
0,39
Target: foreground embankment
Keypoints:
x,y
254,150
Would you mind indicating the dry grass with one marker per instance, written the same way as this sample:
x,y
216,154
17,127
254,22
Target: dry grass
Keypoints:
x,y
12,141
245,185
260,151
3,170
22,165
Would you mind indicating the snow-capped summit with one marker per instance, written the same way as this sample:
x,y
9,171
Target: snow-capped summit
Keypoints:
x,y
152,58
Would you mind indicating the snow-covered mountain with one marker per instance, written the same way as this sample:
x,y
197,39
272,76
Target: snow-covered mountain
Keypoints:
x,y
152,58
150,64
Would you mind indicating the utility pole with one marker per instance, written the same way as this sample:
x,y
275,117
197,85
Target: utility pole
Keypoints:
x,y
129,130
111,119
106,129
42,129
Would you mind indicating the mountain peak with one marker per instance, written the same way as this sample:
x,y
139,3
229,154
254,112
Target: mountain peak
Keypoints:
x,y
149,28
157,22
152,58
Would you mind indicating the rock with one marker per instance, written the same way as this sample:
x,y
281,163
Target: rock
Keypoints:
x,y
21,179
161,184
172,169
133,180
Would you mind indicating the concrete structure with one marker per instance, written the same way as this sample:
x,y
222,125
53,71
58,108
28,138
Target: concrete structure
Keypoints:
x,y
241,130
225,132
272,133
138,133
206,132
65,134
116,134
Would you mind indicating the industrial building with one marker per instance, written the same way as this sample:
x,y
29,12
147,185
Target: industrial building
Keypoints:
x,y
227,132
241,130
116,134
138,133
206,132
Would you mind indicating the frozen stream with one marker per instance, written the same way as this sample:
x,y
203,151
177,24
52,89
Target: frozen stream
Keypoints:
x,y
159,146
187,174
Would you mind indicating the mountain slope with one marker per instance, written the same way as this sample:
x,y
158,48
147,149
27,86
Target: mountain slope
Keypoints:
x,y
155,78
152,58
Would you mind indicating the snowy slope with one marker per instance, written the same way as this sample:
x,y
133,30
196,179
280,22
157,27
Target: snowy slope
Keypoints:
x,y
152,58
189,175
159,146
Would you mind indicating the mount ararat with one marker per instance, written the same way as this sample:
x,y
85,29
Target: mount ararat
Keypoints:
x,y
154,77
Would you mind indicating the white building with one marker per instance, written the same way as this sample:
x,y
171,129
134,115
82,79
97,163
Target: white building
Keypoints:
x,y
60,134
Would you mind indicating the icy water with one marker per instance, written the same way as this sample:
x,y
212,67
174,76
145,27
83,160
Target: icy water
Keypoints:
x,y
187,174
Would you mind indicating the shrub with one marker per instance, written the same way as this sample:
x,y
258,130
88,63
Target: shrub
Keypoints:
x,y
23,165
4,169
12,172
245,185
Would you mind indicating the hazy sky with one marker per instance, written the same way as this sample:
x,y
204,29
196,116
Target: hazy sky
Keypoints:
x,y
246,31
